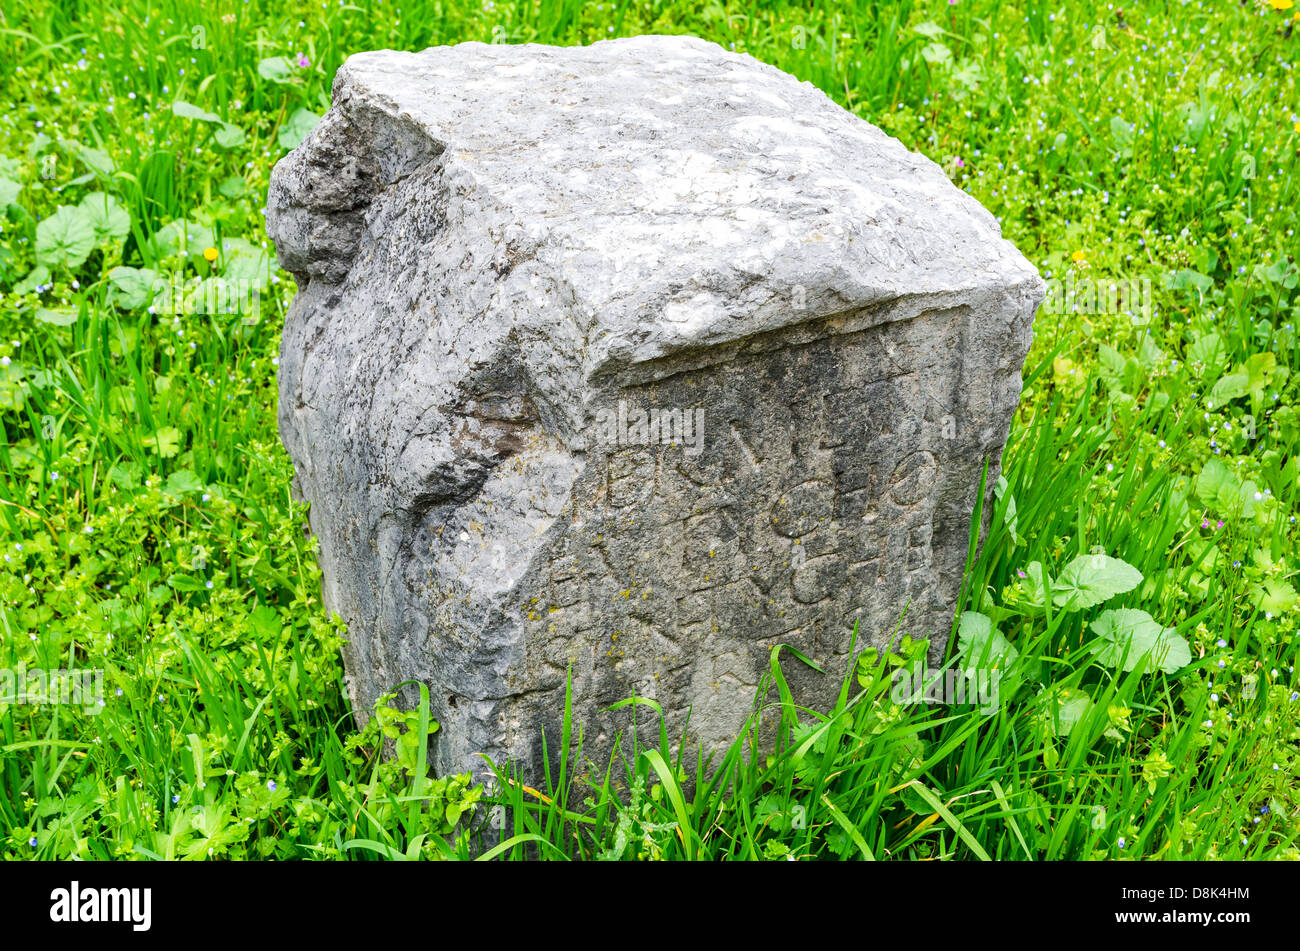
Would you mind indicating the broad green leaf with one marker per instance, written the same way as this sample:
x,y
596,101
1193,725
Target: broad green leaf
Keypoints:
x,y
1092,579
232,248
1221,491
1149,355
132,287
183,582
189,111
183,481
936,54
913,800
1281,272
125,475
65,238
1181,280
1194,118
176,237
39,143
1111,366
13,391
234,187
249,264
1064,708
1231,386
109,219
1245,502
1137,634
1035,585
1218,487
1275,596
1121,131
99,162
1259,370
982,645
38,276
229,136
9,190
295,130
969,74
60,317
1208,351
166,442
275,68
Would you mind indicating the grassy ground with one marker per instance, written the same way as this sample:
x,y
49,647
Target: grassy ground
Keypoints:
x,y
147,528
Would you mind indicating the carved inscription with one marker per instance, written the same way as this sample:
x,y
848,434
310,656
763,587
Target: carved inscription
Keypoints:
x,y
789,525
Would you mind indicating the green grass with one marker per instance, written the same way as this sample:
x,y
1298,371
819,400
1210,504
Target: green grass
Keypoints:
x,y
147,528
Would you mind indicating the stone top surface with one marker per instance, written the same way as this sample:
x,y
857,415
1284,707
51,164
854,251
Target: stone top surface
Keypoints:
x,y
676,194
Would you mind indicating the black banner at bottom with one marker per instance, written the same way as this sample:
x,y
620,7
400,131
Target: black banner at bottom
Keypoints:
x,y
303,900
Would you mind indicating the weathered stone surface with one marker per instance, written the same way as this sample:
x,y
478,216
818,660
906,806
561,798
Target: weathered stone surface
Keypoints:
x,y
498,245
